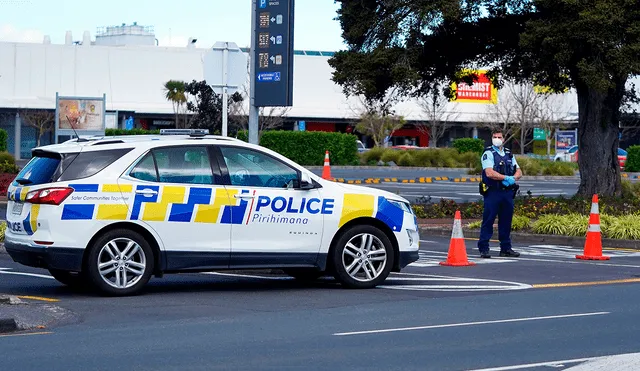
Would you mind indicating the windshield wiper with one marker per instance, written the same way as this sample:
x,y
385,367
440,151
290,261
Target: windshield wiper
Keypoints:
x,y
23,181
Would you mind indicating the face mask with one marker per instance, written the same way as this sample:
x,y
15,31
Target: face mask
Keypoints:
x,y
497,142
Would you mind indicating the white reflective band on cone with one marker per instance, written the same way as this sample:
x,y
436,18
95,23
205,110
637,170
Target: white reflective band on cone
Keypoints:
x,y
594,227
594,208
457,229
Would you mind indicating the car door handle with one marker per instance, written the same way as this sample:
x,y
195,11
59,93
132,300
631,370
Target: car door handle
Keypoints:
x,y
245,196
146,191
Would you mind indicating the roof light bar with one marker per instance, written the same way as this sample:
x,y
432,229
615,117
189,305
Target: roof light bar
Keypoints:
x,y
190,132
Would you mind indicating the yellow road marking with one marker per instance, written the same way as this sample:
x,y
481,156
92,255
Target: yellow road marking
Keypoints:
x,y
592,283
27,334
50,300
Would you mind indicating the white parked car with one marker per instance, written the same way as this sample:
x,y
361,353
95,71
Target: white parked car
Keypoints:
x,y
567,156
113,211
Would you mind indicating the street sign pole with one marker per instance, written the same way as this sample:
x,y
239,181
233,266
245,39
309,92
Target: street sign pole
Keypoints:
x,y
225,77
253,110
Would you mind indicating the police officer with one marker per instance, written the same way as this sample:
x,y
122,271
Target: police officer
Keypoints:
x,y
500,171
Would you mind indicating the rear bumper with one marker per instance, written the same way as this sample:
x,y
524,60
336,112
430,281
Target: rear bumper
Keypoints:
x,y
45,257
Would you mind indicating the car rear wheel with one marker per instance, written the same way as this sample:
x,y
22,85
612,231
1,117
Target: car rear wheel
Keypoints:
x,y
120,262
362,257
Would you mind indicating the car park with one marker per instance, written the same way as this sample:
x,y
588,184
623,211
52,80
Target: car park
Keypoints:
x,y
113,211
571,155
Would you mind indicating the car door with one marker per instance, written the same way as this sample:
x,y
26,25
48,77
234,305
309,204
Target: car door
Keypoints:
x,y
272,223
177,191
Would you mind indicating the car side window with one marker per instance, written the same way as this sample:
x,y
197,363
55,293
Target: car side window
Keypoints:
x,y
250,168
145,169
185,165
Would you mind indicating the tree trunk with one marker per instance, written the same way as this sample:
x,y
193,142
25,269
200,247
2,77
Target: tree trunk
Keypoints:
x,y
548,146
522,135
598,117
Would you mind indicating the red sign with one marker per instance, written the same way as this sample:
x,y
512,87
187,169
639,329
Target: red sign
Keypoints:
x,y
481,91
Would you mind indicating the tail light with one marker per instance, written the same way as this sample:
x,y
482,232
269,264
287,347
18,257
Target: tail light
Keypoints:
x,y
49,196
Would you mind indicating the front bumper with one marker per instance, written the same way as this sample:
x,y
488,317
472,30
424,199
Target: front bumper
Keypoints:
x,y
407,257
45,257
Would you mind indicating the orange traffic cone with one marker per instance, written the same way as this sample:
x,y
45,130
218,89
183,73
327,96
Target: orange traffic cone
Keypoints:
x,y
457,250
593,244
326,169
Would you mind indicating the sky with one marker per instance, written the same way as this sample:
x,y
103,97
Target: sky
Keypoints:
x,y
174,21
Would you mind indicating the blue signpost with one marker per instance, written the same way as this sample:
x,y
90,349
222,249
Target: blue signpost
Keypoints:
x,y
272,55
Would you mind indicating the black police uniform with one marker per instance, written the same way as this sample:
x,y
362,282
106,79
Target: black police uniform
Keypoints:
x,y
498,201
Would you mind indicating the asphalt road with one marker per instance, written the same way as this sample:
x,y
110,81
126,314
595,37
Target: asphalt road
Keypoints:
x,y
543,307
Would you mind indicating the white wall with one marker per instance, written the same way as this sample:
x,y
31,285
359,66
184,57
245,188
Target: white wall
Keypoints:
x,y
132,78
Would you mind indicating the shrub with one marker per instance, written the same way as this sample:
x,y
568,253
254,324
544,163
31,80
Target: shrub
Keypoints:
x,y
623,227
8,168
7,157
372,156
5,182
391,155
308,148
243,135
520,223
566,225
633,159
630,190
4,140
464,145
406,159
3,230
115,132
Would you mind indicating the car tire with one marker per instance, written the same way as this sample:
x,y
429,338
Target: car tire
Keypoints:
x,y
71,279
359,247
120,263
304,274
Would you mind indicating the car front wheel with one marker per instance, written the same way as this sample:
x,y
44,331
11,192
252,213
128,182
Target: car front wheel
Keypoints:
x,y
362,257
120,263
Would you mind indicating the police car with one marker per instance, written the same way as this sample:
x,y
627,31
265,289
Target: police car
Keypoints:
x,y
113,211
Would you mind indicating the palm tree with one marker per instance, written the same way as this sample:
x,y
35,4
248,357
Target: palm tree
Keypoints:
x,y
175,93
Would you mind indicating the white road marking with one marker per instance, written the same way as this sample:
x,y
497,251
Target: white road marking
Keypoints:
x,y
4,271
450,283
562,363
462,324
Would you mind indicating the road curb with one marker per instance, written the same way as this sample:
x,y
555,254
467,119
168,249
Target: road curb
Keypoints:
x,y
535,238
2,249
8,325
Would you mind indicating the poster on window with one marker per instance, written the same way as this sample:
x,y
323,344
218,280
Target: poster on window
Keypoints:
x,y
481,91
81,114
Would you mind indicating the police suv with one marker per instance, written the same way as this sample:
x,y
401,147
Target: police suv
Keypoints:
x,y
113,211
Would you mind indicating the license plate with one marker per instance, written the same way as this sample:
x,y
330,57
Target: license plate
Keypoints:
x,y
17,208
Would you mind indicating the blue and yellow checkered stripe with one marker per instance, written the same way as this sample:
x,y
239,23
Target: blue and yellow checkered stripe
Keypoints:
x,y
362,205
167,204
17,194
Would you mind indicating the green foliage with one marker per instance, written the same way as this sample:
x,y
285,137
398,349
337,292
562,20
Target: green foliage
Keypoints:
x,y
464,145
372,156
7,157
378,126
519,223
308,148
475,225
630,189
565,225
4,138
633,159
3,230
206,106
623,227
7,167
115,132
243,135
592,46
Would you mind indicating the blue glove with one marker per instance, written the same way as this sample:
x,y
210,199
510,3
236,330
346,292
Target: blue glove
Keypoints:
x,y
509,180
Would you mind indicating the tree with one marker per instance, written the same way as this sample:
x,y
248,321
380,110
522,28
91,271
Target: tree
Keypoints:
x,y
377,119
206,106
516,112
41,120
590,46
175,93
435,107
551,111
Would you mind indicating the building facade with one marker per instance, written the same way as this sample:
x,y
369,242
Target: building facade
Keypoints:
x,y
129,69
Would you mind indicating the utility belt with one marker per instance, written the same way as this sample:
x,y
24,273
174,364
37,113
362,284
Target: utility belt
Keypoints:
x,y
484,188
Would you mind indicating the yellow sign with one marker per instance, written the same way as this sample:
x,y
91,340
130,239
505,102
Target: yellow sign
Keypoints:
x,y
481,91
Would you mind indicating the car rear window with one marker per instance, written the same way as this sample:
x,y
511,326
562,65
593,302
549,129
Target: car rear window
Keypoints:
x,y
90,163
39,170
54,167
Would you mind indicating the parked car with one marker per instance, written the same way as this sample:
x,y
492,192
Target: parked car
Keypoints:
x,y
361,147
571,155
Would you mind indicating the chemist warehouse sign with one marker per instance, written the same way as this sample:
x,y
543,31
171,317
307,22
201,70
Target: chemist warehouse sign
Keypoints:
x,y
481,91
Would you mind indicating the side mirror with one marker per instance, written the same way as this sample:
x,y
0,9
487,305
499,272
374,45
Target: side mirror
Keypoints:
x,y
306,182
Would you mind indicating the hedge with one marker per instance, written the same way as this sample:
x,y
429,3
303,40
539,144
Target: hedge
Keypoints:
x,y
633,159
4,138
307,148
469,145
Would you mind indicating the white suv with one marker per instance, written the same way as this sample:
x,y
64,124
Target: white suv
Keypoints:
x,y
112,211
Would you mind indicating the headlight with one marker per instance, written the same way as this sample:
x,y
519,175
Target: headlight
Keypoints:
x,y
403,205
